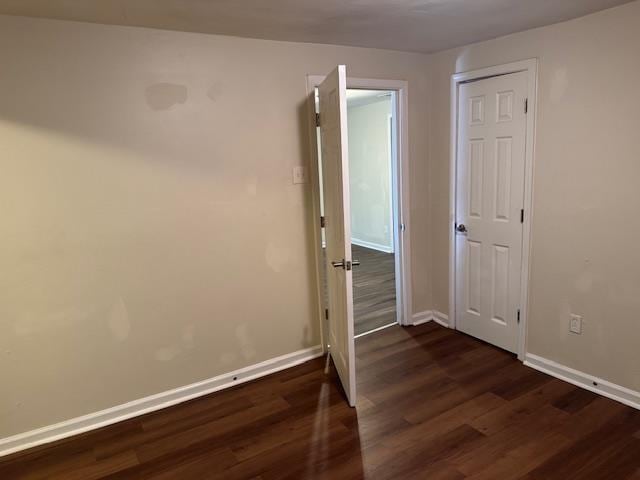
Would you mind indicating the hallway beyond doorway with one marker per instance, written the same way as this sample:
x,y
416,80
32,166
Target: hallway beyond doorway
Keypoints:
x,y
374,289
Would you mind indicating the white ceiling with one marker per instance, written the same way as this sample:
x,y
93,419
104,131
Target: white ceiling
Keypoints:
x,y
410,25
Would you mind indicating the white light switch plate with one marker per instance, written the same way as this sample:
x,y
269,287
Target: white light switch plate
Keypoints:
x,y
299,175
575,325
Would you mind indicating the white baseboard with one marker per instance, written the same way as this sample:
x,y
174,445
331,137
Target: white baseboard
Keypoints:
x,y
588,382
441,318
376,330
371,245
429,316
421,317
152,403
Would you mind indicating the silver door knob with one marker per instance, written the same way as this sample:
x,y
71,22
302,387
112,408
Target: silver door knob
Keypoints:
x,y
461,228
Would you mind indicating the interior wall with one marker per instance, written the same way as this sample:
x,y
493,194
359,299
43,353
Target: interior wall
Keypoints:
x,y
370,173
584,258
146,193
151,232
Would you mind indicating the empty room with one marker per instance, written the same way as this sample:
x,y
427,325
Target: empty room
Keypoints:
x,y
362,239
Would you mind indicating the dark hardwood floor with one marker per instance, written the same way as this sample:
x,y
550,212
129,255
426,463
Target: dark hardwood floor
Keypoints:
x,y
433,404
374,289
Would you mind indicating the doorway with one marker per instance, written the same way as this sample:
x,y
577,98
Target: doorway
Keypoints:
x,y
492,140
376,121
372,135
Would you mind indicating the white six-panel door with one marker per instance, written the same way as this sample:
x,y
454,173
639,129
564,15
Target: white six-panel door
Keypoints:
x,y
332,94
490,175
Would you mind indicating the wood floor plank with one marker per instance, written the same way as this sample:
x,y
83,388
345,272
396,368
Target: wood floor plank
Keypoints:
x,y
522,409
495,446
181,465
617,453
211,434
421,455
98,469
374,289
522,459
575,400
434,404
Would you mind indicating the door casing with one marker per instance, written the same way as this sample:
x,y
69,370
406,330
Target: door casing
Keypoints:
x,y
401,168
531,67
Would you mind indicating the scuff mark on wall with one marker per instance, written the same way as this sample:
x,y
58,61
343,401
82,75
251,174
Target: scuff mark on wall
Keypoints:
x,y
166,354
227,358
119,321
188,337
214,91
559,84
252,187
163,96
277,256
32,322
585,280
246,346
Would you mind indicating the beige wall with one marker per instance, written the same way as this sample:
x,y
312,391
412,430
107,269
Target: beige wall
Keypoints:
x,y
150,226
370,172
587,169
151,233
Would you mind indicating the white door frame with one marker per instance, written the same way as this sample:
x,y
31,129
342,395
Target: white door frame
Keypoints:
x,y
401,169
531,67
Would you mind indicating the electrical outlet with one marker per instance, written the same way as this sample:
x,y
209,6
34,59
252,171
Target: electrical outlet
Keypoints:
x,y
575,324
299,175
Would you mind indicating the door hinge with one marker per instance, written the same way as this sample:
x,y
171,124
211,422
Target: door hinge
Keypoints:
x,y
326,314
317,119
522,215
526,105
323,222
518,315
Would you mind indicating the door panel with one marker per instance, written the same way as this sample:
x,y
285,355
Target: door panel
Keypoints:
x,y
335,165
490,196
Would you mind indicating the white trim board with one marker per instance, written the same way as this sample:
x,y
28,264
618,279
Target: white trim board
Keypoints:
x,y
441,318
376,330
588,382
531,67
430,316
152,403
373,246
421,317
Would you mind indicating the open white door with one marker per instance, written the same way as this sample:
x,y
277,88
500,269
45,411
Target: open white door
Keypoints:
x,y
335,170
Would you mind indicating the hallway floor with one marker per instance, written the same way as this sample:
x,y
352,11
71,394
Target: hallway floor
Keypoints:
x,y
374,289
